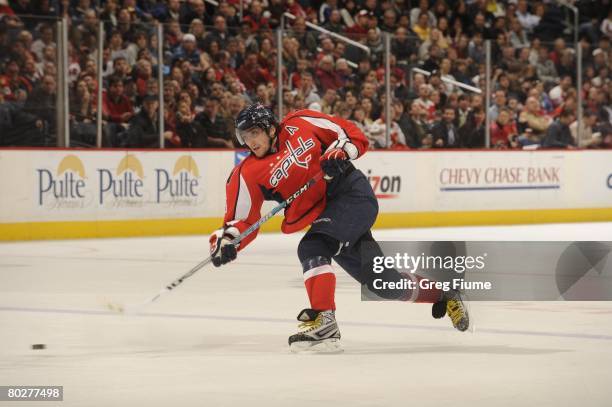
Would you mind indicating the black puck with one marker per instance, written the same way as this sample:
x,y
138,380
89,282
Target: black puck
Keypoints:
x,y
39,346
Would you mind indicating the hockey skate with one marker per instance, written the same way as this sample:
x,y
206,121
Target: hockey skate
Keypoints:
x,y
456,309
318,332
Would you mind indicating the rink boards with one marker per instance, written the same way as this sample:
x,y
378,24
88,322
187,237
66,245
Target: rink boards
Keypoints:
x,y
47,194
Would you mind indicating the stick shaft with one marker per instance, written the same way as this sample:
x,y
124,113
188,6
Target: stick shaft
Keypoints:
x,y
242,236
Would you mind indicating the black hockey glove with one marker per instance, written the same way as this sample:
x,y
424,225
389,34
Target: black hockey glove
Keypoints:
x,y
221,248
334,162
336,159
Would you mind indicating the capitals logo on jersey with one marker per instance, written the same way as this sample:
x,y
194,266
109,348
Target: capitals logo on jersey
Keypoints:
x,y
293,156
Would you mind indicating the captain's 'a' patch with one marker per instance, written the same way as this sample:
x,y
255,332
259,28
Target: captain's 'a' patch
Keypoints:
x,y
291,129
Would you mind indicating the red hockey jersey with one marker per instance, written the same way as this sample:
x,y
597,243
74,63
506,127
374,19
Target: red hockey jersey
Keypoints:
x,y
303,137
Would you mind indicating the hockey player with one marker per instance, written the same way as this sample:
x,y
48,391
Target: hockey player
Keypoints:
x,y
340,210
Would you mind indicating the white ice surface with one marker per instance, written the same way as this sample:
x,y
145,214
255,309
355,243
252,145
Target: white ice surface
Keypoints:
x,y
220,339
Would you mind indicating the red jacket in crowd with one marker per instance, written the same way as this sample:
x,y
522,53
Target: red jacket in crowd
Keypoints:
x,y
500,134
114,110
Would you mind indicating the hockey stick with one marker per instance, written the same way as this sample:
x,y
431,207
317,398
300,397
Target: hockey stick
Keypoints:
x,y
235,242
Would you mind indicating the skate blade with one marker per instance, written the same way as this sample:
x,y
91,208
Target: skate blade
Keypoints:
x,y
472,326
115,307
328,346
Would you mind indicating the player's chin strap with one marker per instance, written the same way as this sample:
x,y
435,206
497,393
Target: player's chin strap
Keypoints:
x,y
273,144
235,242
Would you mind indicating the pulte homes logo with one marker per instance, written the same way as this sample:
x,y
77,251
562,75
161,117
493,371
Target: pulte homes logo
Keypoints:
x,y
182,184
67,184
127,184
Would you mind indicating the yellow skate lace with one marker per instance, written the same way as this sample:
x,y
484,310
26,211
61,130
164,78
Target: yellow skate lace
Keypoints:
x,y
455,311
309,325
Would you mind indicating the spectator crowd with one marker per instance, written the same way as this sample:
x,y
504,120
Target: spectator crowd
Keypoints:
x,y
217,59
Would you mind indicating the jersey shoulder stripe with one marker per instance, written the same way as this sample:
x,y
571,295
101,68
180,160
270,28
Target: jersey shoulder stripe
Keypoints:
x,y
327,124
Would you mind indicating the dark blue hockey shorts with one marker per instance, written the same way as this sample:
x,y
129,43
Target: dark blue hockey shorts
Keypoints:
x,y
350,211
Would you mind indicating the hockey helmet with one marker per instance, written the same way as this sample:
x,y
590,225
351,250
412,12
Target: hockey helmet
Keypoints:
x,y
255,115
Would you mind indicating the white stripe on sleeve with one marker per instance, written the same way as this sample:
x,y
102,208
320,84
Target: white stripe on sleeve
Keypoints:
x,y
243,205
326,124
343,141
